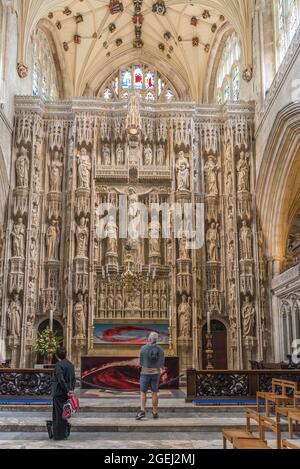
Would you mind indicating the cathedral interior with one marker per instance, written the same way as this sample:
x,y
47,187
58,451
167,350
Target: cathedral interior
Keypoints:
x,y
150,102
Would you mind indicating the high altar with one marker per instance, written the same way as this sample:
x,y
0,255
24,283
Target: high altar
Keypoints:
x,y
71,157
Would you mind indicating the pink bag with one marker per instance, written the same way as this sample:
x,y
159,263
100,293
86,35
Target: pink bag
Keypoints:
x,y
71,408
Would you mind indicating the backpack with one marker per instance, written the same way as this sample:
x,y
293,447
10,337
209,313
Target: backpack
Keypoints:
x,y
153,355
70,408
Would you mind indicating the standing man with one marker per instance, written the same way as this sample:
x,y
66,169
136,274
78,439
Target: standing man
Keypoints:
x,y
152,361
63,385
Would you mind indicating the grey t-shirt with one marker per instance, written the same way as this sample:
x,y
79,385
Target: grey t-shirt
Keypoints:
x,y
149,366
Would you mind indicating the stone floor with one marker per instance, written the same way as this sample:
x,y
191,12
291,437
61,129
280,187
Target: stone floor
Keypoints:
x,y
109,423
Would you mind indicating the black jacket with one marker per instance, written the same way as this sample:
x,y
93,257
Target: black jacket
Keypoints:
x,y
63,379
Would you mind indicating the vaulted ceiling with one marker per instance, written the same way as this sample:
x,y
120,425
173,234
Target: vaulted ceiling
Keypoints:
x,y
93,42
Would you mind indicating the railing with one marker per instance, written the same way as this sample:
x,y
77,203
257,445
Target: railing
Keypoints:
x,y
234,384
27,382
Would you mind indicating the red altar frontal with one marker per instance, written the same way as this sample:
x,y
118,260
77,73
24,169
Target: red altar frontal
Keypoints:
x,y
123,373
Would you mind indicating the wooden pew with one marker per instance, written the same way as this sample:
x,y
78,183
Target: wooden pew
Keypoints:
x,y
252,443
286,444
276,399
274,426
234,434
293,416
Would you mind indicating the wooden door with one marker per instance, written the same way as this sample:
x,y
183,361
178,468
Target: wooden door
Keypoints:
x,y
219,334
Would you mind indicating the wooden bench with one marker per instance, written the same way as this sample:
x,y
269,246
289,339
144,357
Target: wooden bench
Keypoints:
x,y
266,423
293,416
252,443
276,399
286,444
232,434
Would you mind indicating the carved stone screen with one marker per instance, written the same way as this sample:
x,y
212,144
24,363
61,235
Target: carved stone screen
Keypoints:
x,y
69,159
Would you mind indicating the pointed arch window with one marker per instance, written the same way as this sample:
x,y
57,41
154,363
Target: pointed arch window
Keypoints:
x,y
287,15
145,80
229,72
44,76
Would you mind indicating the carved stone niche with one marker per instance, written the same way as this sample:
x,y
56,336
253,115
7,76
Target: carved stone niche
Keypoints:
x,y
20,202
83,202
212,209
50,299
16,275
244,206
246,277
184,277
54,205
81,275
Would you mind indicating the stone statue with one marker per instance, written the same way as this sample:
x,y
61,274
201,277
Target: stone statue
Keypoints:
x,y
79,317
112,235
213,244
211,170
161,158
18,239
183,172
106,155
22,169
147,301
84,169
111,299
185,318
120,155
148,156
119,301
248,318
154,240
163,302
183,246
82,238
53,240
246,241
55,170
14,315
243,169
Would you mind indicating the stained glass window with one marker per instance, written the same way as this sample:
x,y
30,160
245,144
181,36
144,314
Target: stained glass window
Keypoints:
x,y
288,18
228,75
44,76
145,80
138,78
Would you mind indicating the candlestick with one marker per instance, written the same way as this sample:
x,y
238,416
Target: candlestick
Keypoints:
x,y
208,323
51,321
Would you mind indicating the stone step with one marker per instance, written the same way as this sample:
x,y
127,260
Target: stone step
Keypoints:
x,y
88,424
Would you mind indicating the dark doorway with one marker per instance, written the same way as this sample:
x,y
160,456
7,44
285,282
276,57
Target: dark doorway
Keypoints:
x,y
219,333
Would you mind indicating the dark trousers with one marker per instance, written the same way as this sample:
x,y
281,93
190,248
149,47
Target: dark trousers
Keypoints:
x,y
61,428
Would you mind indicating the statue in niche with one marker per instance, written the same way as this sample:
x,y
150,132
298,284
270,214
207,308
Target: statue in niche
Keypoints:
x,y
22,169
163,302
102,301
183,246
55,170
18,239
161,157
53,240
213,243
211,170
79,317
154,240
106,155
147,301
119,301
111,231
14,315
120,155
185,318
155,301
243,169
82,238
246,241
248,318
229,183
183,172
84,169
111,299
230,224
148,155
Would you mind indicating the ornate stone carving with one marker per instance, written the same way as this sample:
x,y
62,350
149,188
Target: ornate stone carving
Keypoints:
x,y
185,318
183,172
248,318
243,170
84,169
79,317
246,238
14,315
18,239
82,238
55,173
213,243
53,241
22,168
211,171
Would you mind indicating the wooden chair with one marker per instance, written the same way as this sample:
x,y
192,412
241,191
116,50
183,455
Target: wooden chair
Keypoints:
x,y
274,426
276,399
286,444
235,434
293,416
252,443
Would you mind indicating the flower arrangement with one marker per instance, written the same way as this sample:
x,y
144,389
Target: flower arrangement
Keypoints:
x,y
47,342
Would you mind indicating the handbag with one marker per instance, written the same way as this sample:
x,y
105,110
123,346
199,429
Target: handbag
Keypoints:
x,y
71,408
